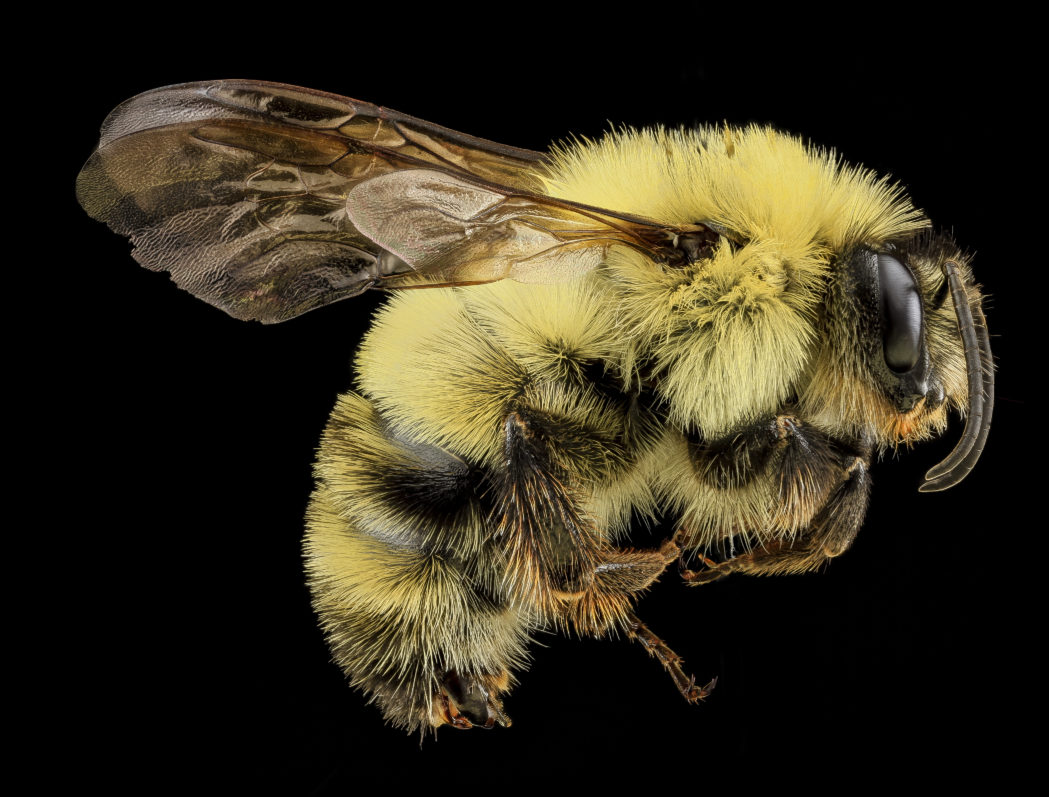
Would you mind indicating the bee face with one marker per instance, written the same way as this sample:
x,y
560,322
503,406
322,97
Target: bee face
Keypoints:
x,y
872,368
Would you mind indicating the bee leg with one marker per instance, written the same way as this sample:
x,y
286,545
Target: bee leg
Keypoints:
x,y
549,543
753,562
819,487
657,648
608,598
805,464
469,701
733,460
557,559
712,572
629,570
830,534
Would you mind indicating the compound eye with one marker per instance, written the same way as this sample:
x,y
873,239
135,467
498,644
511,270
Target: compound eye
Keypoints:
x,y
901,314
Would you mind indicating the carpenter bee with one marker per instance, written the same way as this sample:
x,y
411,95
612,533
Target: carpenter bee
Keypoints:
x,y
719,326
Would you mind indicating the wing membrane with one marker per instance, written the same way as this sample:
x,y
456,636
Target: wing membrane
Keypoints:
x,y
238,189
454,231
268,200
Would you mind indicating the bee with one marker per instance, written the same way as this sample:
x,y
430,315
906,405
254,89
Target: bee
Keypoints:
x,y
720,327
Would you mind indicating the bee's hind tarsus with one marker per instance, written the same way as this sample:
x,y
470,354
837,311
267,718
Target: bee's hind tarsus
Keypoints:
x,y
671,661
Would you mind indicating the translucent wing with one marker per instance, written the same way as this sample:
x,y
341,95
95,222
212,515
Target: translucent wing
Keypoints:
x,y
454,231
268,200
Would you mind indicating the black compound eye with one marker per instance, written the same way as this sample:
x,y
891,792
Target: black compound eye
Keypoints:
x,y
901,314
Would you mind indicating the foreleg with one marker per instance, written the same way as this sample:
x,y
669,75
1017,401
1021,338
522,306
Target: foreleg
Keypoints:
x,y
818,488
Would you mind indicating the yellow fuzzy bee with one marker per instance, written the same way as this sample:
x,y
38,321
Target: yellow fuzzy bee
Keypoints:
x,y
719,326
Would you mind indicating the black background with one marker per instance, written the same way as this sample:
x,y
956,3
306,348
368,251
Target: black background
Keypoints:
x,y
184,647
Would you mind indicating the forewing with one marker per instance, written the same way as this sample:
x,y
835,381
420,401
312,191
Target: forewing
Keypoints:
x,y
239,189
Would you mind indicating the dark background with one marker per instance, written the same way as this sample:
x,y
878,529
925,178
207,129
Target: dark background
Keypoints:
x,y
185,647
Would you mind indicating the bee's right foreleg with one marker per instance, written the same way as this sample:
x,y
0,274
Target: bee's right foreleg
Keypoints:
x,y
813,488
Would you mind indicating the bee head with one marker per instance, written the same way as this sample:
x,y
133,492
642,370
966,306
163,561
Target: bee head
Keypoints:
x,y
908,339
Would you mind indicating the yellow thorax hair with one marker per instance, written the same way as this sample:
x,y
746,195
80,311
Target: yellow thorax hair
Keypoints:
x,y
729,337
